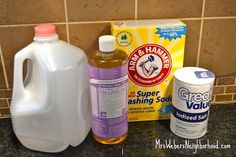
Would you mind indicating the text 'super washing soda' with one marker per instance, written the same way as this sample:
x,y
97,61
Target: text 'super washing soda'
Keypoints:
x,y
155,49
192,91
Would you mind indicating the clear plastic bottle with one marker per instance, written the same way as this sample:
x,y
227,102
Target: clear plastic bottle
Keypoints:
x,y
50,110
108,83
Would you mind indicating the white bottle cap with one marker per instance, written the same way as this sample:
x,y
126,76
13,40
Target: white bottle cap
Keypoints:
x,y
106,43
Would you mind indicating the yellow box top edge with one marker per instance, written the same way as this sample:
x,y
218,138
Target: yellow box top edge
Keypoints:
x,y
147,23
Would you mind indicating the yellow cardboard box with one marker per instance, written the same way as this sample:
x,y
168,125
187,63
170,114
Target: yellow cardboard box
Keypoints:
x,y
155,49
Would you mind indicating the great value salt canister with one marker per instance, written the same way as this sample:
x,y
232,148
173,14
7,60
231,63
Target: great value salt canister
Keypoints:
x,y
192,91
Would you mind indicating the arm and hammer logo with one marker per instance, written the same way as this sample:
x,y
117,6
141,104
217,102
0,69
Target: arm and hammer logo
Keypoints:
x,y
149,65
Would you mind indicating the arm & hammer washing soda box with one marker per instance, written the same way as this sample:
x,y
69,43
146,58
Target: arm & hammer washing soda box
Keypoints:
x,y
155,49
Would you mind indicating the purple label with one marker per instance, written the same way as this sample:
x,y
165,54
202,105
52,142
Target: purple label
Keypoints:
x,y
109,101
110,127
108,73
204,74
111,85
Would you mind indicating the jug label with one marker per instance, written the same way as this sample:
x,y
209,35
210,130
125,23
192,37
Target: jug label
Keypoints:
x,y
109,100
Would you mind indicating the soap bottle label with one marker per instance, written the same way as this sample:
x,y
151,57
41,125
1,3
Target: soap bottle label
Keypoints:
x,y
109,101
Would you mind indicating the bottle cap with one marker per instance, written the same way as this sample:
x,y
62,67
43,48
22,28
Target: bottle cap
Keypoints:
x,y
106,43
44,30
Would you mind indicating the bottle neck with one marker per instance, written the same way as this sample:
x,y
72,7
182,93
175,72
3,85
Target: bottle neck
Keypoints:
x,y
43,39
107,52
107,55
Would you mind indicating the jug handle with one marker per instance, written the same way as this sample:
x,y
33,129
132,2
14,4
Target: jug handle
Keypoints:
x,y
20,57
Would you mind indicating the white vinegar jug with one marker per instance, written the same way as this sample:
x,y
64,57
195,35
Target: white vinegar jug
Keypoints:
x,y
51,110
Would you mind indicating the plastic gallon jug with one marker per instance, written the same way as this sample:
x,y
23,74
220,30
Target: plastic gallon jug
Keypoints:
x,y
51,108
